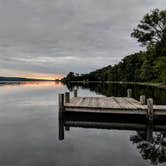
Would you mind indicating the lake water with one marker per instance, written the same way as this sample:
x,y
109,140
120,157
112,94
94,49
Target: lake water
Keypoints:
x,y
29,130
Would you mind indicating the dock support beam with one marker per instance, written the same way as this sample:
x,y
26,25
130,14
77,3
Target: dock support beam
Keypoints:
x,y
75,93
142,100
149,132
67,97
61,118
129,93
150,111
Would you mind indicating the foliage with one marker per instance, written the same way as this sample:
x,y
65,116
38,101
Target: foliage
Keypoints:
x,y
147,66
151,28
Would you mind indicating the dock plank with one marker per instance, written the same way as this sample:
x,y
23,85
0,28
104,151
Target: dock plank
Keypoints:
x,y
104,103
135,103
124,104
117,105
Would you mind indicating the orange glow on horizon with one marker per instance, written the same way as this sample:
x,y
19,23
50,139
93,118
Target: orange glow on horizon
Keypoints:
x,y
45,77
32,85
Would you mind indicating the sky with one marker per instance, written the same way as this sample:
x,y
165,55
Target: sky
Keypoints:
x,y
53,37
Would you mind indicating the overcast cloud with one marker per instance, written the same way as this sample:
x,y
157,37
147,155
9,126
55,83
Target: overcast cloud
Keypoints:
x,y
58,36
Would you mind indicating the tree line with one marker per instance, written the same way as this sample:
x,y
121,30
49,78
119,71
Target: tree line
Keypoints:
x,y
144,66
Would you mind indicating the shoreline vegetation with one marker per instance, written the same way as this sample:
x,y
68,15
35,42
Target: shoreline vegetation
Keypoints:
x,y
146,67
157,85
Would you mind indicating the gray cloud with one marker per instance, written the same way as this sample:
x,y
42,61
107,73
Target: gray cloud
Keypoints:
x,y
57,36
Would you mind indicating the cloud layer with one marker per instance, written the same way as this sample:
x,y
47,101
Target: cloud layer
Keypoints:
x,y
58,36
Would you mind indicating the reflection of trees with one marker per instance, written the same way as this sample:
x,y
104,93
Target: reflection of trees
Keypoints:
x,y
117,89
153,149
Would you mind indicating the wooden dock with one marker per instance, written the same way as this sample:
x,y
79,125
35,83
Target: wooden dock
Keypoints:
x,y
111,105
118,105
102,109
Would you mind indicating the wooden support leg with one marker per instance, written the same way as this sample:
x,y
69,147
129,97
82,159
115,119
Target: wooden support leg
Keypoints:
x,y
150,111
149,132
61,118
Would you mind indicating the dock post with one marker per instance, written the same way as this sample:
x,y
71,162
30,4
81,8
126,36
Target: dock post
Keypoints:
x,y
142,99
150,111
75,93
67,97
61,118
129,93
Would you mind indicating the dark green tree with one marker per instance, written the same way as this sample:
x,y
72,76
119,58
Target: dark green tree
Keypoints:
x,y
152,28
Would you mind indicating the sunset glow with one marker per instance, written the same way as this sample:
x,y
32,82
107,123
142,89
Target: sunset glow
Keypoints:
x,y
45,77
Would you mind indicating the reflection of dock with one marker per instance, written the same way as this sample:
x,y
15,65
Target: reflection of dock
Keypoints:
x,y
113,125
100,112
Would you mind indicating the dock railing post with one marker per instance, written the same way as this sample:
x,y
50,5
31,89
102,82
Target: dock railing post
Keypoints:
x,y
143,99
61,118
129,93
150,111
67,97
75,93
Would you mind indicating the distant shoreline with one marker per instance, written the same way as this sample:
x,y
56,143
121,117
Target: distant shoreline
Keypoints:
x,y
14,82
18,79
157,85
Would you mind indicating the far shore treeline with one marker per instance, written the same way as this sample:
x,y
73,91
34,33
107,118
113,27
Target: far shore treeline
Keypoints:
x,y
144,66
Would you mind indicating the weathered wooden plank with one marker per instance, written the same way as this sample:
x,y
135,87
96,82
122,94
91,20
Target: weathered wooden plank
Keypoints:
x,y
111,105
109,125
103,102
113,125
97,102
94,102
84,102
114,103
159,107
108,110
136,103
75,101
72,101
125,104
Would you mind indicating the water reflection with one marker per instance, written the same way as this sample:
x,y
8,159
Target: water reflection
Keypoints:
x,y
119,89
150,139
29,131
35,84
153,149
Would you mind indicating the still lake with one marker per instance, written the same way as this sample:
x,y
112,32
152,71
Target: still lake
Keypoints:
x,y
29,129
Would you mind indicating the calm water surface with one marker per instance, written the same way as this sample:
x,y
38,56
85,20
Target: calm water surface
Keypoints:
x,y
29,132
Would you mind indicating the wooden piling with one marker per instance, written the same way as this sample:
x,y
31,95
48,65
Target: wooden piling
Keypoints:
x,y
61,118
129,93
142,100
75,93
150,111
149,132
67,97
